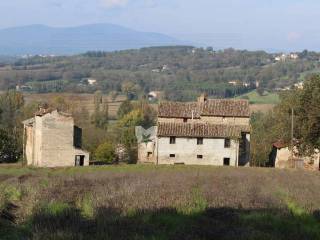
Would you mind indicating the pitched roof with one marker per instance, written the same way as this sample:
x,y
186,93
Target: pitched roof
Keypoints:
x,y
43,111
280,144
226,108
179,110
212,107
28,122
200,130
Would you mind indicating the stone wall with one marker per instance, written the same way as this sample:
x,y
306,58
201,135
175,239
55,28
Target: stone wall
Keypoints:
x,y
57,141
147,152
186,151
50,142
29,139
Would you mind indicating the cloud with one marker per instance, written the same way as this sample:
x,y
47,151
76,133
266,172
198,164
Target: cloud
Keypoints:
x,y
114,3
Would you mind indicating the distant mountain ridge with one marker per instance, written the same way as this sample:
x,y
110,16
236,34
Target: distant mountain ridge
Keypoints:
x,y
41,39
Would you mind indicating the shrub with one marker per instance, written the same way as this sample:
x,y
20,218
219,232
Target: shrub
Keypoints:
x,y
105,153
9,149
55,208
85,204
11,193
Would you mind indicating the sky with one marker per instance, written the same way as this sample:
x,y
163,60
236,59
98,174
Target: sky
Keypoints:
x,y
273,25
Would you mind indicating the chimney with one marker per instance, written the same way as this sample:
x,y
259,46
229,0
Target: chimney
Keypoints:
x,y
43,107
203,98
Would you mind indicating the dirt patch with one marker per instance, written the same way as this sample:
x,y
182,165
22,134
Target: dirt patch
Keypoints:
x,y
4,177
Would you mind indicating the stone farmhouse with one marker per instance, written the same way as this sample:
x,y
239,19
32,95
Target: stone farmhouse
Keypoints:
x,y
206,132
52,140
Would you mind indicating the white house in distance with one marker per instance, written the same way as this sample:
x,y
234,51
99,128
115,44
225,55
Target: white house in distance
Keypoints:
x,y
52,140
207,132
92,81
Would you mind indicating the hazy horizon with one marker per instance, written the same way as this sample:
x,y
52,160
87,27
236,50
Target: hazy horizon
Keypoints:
x,y
247,24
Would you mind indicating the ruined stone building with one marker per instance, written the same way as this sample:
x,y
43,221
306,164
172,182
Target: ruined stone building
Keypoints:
x,y
52,140
283,156
206,132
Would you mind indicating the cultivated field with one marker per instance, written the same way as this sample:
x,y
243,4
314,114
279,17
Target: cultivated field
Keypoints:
x,y
150,202
265,108
267,98
80,100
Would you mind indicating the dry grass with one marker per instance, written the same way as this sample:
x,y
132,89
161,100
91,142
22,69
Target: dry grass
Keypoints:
x,y
81,100
264,108
149,202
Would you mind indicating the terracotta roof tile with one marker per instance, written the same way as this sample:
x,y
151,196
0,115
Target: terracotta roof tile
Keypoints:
x,y
44,111
280,144
226,108
200,130
213,107
179,110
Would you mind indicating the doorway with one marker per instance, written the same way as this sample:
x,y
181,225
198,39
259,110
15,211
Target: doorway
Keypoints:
x,y
226,161
79,160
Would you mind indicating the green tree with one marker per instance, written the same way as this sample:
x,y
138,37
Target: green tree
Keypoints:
x,y
9,150
61,104
11,104
308,114
105,153
125,108
132,119
11,131
100,116
262,137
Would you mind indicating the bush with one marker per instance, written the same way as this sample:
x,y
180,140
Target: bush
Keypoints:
x,y
105,153
9,148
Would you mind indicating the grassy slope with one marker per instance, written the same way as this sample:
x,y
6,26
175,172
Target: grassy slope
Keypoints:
x,y
149,202
304,74
255,98
80,100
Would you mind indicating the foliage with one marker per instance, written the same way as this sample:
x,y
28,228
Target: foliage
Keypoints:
x,y
10,151
11,106
308,114
11,103
132,119
141,115
262,137
86,205
105,153
189,72
276,125
100,116
125,108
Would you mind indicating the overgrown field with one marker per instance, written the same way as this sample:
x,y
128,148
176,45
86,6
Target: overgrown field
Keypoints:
x,y
150,202
79,100
266,98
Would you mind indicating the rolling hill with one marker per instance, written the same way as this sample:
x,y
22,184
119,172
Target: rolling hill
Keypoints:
x,y
40,39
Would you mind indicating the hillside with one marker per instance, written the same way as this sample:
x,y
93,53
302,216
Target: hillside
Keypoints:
x,y
78,101
40,39
149,202
180,72
265,98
